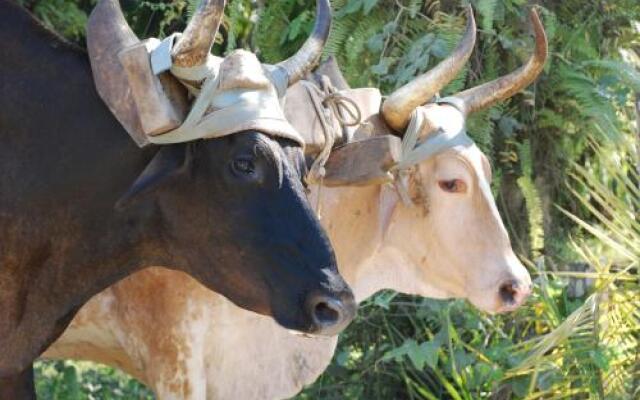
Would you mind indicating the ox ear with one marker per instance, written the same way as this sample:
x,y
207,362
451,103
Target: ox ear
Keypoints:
x,y
168,162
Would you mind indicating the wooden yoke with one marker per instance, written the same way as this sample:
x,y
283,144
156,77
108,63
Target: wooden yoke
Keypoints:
x,y
363,162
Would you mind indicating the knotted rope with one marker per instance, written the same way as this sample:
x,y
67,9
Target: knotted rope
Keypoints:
x,y
330,106
335,112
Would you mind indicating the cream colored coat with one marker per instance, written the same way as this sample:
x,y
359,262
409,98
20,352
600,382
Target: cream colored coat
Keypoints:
x,y
186,342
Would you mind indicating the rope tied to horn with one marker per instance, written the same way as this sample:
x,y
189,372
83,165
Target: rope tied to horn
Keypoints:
x,y
335,112
414,151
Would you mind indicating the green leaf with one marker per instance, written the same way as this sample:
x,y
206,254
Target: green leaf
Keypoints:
x,y
397,353
342,358
600,359
368,6
382,68
429,351
384,299
487,9
351,7
416,356
70,379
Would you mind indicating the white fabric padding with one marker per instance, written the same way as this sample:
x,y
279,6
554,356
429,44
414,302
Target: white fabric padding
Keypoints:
x,y
236,96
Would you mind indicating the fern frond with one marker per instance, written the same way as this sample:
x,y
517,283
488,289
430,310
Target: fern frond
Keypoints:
x,y
487,10
624,71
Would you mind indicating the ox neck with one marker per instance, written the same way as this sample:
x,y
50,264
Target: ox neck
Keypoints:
x,y
68,161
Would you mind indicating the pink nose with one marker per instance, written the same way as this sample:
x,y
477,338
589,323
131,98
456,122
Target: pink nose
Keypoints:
x,y
513,294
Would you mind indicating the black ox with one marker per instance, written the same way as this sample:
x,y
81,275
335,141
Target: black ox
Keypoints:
x,y
231,211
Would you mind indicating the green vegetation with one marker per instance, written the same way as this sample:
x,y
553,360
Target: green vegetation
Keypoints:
x,y
83,380
565,177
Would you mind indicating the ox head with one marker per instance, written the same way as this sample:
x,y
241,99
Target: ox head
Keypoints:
x,y
231,211
461,233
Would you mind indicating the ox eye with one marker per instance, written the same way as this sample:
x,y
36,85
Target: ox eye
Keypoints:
x,y
453,186
243,166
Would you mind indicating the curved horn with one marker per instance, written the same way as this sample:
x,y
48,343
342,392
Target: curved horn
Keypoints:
x,y
398,107
487,94
107,34
195,44
306,58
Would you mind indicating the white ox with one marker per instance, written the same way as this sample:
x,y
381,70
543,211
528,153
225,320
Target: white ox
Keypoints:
x,y
186,342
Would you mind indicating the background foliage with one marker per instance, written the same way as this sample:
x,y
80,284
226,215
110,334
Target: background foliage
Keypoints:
x,y
564,159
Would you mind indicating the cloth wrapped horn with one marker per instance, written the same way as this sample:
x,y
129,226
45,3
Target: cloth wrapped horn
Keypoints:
x,y
487,94
296,66
398,107
194,46
107,34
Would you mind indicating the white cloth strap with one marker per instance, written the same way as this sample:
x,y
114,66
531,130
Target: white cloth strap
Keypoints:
x,y
414,153
160,56
229,112
216,112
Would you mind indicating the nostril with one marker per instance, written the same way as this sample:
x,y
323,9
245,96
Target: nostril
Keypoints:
x,y
329,315
325,314
509,292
